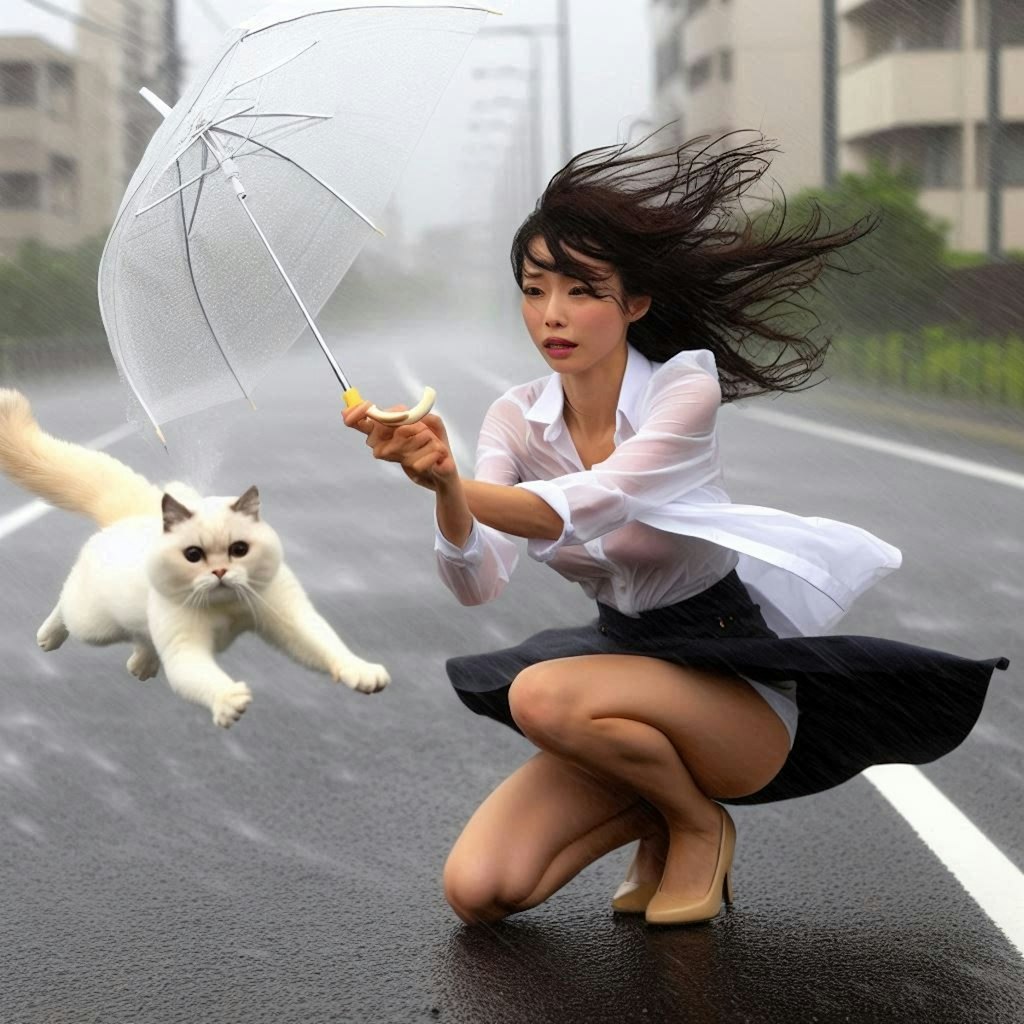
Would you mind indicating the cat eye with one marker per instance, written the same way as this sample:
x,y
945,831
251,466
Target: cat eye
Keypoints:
x,y
194,554
239,549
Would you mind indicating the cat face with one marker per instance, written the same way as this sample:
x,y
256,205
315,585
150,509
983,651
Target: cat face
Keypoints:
x,y
217,552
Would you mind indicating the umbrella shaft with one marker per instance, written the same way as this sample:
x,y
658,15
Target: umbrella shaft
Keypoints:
x,y
302,306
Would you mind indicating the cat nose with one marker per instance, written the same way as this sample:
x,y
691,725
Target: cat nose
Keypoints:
x,y
219,573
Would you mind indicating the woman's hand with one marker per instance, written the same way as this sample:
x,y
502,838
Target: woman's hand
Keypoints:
x,y
421,448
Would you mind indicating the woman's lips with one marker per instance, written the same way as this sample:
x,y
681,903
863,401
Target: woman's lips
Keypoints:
x,y
559,351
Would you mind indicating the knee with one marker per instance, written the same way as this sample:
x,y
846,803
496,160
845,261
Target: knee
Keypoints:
x,y
543,705
476,893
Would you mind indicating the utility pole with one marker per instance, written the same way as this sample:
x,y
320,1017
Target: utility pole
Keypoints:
x,y
172,54
564,80
995,133
830,105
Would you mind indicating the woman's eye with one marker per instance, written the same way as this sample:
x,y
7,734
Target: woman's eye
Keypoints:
x,y
531,291
239,549
194,554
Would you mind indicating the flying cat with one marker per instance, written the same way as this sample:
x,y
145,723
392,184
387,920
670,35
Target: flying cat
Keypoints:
x,y
178,575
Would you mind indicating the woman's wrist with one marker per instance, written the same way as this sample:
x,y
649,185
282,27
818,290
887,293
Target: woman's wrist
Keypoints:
x,y
454,518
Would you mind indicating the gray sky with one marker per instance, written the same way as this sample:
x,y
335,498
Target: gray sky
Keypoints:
x,y
611,78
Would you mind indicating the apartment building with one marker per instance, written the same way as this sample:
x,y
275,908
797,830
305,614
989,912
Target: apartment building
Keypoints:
x,y
72,125
911,90
728,65
43,194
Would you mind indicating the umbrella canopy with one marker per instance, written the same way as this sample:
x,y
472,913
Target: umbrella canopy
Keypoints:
x,y
257,192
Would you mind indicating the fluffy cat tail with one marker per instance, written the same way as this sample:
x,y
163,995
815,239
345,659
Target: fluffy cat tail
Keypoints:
x,y
67,475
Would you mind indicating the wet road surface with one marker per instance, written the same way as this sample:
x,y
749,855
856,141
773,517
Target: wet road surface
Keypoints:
x,y
156,869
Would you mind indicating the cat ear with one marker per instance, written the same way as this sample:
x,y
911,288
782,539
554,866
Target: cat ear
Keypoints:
x,y
248,504
174,513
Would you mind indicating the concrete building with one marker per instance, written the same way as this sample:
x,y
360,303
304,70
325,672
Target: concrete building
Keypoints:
x,y
727,65
73,126
912,89
43,191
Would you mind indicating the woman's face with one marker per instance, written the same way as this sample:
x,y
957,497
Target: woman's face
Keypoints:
x,y
572,327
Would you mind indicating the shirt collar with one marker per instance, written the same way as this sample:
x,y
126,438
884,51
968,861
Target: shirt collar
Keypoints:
x,y
548,407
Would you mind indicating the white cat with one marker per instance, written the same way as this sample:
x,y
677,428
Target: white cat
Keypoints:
x,y
178,575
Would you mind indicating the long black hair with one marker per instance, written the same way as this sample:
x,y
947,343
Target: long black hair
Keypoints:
x,y
662,220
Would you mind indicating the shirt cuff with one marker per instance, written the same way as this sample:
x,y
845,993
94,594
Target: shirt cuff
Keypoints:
x,y
471,553
540,548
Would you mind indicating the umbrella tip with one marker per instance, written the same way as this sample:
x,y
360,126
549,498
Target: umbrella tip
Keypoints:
x,y
160,434
251,403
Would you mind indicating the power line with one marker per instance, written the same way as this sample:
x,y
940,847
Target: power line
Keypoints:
x,y
219,23
86,23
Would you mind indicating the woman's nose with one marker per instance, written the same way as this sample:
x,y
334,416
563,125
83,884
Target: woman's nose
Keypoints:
x,y
554,315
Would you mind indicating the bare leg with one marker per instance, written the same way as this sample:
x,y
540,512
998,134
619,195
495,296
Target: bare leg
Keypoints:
x,y
536,831
672,735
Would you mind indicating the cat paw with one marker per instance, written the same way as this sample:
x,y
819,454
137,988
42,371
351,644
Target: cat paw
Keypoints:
x,y
49,639
229,704
144,664
364,676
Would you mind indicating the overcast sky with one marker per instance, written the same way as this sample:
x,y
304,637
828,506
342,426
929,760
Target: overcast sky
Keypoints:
x,y
611,87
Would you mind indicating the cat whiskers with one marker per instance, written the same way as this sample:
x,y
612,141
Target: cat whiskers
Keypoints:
x,y
243,592
262,600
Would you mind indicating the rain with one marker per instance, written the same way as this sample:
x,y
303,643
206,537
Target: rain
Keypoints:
x,y
157,868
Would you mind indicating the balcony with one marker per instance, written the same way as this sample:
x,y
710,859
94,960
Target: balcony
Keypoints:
x,y
925,87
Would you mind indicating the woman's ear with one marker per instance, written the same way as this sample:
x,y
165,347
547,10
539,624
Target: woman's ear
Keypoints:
x,y
637,306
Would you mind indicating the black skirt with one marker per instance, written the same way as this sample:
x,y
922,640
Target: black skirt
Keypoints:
x,y
863,700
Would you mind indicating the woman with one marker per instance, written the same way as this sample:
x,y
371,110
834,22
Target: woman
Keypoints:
x,y
651,310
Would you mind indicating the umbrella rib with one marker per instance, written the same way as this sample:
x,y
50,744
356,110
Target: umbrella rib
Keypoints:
x,y
199,195
305,170
199,299
180,188
273,67
375,7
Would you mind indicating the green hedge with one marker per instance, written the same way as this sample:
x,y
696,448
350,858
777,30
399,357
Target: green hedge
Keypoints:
x,y
937,360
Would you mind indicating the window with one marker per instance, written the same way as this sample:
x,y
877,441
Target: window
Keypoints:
x,y
933,154
19,191
1012,149
725,65
897,27
18,85
698,74
61,90
63,190
667,59
1012,17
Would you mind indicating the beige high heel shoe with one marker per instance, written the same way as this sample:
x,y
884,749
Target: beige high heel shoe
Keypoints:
x,y
664,908
632,897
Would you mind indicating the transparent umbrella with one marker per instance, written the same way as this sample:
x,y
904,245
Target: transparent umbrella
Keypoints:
x,y
260,187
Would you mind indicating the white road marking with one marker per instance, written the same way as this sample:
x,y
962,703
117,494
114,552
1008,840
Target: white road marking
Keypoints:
x,y
989,877
992,880
913,452
25,514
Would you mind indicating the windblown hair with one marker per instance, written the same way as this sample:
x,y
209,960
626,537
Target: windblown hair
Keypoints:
x,y
662,220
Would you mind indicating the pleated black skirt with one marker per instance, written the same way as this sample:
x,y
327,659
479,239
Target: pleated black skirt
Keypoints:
x,y
863,700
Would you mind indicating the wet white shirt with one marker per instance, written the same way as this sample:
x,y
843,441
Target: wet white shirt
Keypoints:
x,y
652,525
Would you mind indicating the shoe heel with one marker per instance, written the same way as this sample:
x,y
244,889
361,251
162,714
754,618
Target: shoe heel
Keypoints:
x,y
727,890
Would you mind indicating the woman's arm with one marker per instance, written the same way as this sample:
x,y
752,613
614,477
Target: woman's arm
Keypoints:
x,y
473,560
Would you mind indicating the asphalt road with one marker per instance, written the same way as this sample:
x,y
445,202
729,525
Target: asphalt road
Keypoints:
x,y
156,869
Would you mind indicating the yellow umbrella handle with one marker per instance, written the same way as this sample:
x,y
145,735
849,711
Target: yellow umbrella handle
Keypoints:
x,y
417,412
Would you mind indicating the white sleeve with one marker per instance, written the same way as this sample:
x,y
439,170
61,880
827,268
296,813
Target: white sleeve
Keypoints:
x,y
673,451
478,571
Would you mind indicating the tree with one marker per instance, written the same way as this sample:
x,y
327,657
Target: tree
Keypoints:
x,y
890,278
47,292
